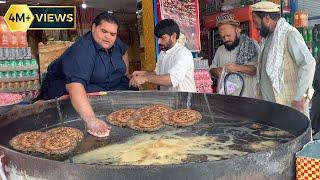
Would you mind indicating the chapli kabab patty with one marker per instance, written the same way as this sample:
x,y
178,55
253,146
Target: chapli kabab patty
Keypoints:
x,y
146,123
120,117
55,144
68,131
182,117
25,142
156,109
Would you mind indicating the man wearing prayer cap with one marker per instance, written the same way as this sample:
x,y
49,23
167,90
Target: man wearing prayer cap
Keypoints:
x,y
286,66
238,53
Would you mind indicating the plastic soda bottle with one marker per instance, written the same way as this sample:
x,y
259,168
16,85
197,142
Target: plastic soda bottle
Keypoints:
x,y
22,39
13,39
309,35
315,52
4,33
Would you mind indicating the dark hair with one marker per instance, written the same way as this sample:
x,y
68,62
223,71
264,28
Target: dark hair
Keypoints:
x,y
105,16
167,26
273,15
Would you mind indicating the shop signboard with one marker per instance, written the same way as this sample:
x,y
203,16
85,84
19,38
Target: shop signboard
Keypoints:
x,y
186,14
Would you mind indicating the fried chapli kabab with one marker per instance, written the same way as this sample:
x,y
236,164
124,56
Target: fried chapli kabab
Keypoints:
x,y
156,109
182,117
68,131
55,144
120,117
25,142
147,123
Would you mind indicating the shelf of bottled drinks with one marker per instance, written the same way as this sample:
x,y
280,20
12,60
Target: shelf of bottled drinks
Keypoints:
x,y
19,71
311,36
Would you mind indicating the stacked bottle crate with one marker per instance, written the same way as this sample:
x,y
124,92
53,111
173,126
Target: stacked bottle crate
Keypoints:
x,y
202,76
18,70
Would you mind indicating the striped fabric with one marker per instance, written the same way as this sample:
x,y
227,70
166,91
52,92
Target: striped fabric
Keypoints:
x,y
290,78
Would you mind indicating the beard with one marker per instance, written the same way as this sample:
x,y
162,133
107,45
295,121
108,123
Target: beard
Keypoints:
x,y
264,31
232,46
167,46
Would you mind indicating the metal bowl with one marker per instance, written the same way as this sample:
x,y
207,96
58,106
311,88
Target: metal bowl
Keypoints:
x,y
272,163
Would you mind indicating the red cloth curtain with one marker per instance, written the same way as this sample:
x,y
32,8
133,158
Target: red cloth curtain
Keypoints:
x,y
84,20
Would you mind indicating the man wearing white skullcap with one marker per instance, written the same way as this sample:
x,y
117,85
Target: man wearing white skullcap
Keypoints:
x,y
286,67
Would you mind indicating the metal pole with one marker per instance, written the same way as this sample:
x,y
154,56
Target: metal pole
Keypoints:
x,y
281,6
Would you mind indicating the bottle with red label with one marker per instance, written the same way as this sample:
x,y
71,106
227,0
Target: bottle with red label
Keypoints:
x,y
13,39
4,33
22,39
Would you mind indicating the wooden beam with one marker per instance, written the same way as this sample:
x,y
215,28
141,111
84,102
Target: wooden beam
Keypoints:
x,y
148,63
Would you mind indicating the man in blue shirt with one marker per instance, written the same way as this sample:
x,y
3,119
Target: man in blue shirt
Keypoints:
x,y
93,63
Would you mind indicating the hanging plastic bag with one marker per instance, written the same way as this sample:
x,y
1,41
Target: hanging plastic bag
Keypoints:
x,y
230,83
220,87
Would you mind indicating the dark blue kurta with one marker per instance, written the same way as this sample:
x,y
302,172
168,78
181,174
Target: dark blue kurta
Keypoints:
x,y
86,62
